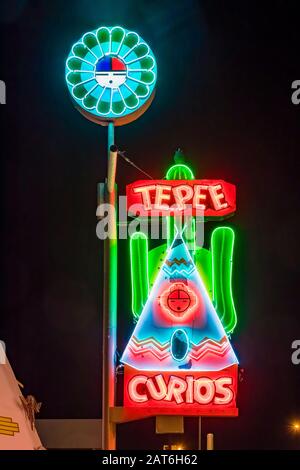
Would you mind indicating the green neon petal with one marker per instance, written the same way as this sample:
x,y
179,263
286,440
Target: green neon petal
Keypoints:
x,y
103,107
79,91
142,90
146,63
118,107
117,35
74,78
80,50
103,35
131,101
74,63
90,101
131,40
140,50
147,77
90,40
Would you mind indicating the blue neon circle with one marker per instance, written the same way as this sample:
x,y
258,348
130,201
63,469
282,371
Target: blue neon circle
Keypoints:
x,y
111,73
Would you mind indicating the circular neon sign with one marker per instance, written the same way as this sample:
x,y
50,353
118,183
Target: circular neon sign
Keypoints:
x,y
111,75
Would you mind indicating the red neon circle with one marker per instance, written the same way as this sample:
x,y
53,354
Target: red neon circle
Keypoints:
x,y
178,301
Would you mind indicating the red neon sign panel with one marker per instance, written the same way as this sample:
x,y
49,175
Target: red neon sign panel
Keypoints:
x,y
205,393
213,198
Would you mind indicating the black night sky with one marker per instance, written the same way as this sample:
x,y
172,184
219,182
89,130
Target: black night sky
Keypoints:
x,y
225,70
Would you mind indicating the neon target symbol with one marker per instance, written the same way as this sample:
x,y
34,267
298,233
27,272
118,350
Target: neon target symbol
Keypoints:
x,y
178,300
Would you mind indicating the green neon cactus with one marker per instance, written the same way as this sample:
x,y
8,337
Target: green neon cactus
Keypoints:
x,y
179,171
214,265
139,271
222,243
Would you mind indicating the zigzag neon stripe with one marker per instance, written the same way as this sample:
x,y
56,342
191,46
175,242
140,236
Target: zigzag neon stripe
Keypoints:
x,y
178,262
208,350
152,341
180,272
138,352
161,352
218,344
162,346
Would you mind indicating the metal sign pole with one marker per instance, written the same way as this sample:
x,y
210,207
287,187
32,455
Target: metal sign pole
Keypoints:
x,y
109,325
95,75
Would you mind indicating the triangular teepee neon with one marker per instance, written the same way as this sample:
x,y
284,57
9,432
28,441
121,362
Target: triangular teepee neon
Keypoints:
x,y
179,328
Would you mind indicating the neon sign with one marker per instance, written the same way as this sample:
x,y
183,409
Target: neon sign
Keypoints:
x,y
216,198
203,393
180,342
111,75
179,356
